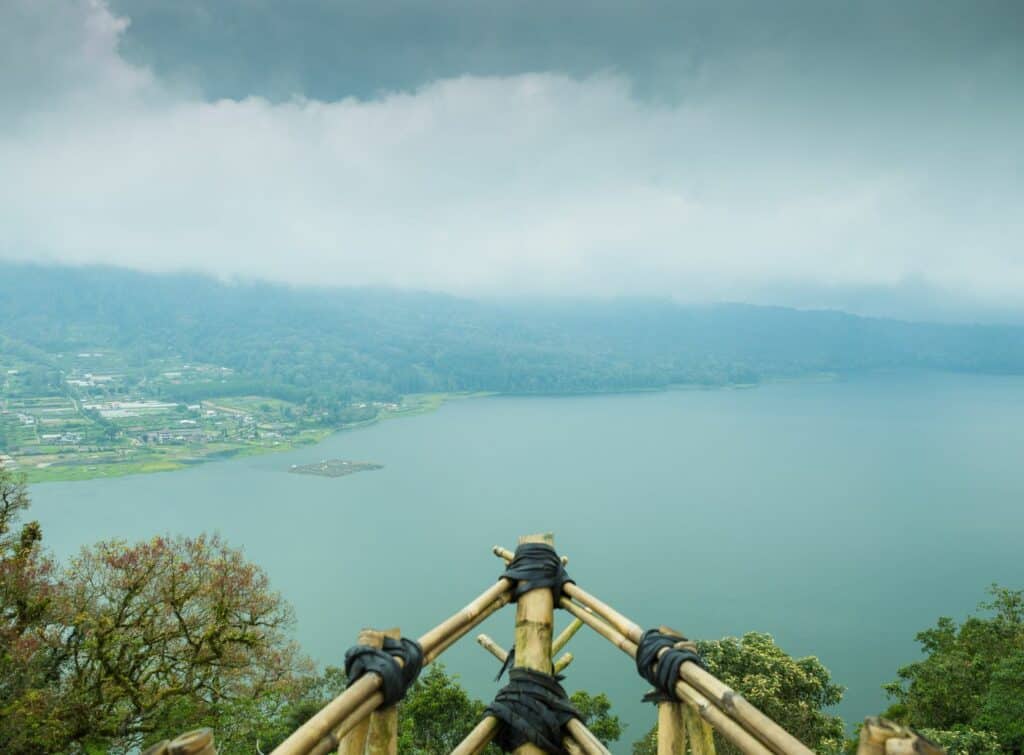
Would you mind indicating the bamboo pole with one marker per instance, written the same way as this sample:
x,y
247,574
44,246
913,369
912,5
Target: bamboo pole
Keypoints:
x,y
457,635
468,615
565,635
727,727
383,735
628,628
563,662
585,738
361,692
730,729
571,746
699,731
359,716
535,616
671,733
332,715
733,703
737,706
479,737
492,647
616,638
354,743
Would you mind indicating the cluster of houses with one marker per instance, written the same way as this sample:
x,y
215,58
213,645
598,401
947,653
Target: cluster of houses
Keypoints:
x,y
63,439
174,435
89,380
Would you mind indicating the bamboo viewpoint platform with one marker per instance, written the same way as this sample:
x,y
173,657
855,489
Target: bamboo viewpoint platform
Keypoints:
x,y
531,714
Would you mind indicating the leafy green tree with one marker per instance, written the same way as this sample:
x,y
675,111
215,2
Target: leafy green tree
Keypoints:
x,y
964,741
261,723
436,714
972,676
1002,710
596,712
648,743
31,710
134,643
169,633
794,692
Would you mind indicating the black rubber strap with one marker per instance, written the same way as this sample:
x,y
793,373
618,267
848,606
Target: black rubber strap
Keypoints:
x,y
536,565
510,661
666,675
532,707
396,679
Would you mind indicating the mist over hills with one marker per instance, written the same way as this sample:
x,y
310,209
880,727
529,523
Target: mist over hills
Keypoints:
x,y
341,344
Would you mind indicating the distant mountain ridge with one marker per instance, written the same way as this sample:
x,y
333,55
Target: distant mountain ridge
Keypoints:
x,y
340,344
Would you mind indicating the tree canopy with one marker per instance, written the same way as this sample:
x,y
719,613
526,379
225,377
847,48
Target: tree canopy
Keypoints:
x,y
968,690
794,692
134,642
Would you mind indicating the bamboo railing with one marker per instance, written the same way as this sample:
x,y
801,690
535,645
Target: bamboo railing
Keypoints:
x,y
354,722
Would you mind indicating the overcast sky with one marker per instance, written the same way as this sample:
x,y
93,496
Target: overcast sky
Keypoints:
x,y
866,155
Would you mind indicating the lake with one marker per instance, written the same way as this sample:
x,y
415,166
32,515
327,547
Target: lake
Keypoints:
x,y
841,517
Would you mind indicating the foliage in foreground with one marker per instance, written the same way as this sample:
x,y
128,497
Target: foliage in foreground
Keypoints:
x,y
129,644
968,690
792,691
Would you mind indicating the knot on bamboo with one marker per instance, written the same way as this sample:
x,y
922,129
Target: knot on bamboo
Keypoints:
x,y
532,707
397,663
535,566
659,656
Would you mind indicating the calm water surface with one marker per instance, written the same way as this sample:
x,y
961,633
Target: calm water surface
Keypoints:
x,y
840,517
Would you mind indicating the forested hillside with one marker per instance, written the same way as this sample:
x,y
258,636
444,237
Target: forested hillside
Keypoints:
x,y
342,344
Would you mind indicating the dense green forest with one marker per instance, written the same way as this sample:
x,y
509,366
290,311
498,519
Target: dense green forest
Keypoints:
x,y
336,345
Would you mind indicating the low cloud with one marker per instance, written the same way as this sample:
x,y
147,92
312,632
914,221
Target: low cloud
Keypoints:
x,y
742,189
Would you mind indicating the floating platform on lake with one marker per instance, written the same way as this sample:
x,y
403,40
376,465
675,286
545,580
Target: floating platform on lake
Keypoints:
x,y
335,467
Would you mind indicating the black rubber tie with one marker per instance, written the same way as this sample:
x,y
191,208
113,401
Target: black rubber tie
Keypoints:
x,y
395,678
532,707
666,675
535,566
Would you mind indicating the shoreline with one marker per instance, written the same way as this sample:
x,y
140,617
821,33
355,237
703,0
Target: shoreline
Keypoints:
x,y
413,405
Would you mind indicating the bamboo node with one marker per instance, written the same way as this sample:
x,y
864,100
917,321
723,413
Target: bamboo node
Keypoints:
x,y
729,700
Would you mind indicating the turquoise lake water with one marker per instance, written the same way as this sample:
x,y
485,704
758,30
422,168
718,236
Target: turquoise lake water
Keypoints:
x,y
841,517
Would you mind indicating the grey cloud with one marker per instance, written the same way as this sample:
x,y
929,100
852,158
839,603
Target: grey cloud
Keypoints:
x,y
329,49
769,178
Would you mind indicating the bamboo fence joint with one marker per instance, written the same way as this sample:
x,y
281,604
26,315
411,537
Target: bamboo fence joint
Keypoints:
x,y
353,723
354,741
879,736
361,697
535,618
383,734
